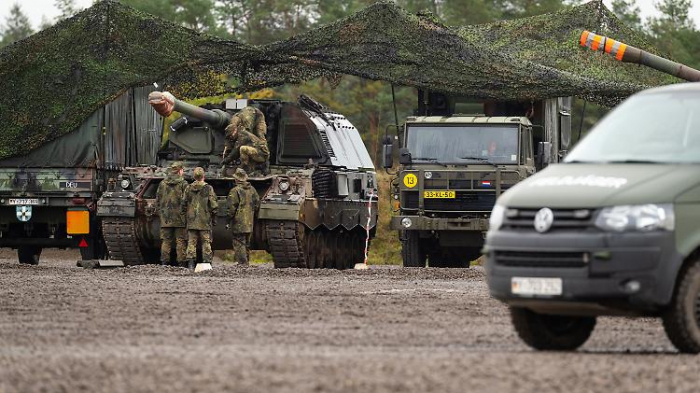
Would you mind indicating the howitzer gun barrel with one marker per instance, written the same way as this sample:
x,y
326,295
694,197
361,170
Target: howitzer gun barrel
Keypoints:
x,y
630,54
165,104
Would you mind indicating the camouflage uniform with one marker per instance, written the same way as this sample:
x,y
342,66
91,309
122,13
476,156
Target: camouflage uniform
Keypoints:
x,y
251,150
172,221
199,205
242,203
246,140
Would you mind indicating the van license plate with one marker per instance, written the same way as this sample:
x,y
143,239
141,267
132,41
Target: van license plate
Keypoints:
x,y
531,286
439,194
23,201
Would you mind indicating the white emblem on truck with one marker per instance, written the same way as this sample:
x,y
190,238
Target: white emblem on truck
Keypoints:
x,y
544,219
24,213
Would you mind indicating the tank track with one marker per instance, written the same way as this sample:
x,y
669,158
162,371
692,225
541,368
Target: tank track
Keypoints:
x,y
285,239
120,237
294,246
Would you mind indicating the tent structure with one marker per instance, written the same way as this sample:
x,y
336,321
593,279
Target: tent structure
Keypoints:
x,y
61,76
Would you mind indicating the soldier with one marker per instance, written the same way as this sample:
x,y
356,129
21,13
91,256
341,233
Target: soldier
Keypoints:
x,y
253,120
199,205
172,221
243,201
246,146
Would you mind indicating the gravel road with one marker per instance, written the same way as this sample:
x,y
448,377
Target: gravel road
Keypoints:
x,y
387,329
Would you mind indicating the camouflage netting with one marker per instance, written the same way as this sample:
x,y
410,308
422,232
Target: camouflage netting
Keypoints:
x,y
55,79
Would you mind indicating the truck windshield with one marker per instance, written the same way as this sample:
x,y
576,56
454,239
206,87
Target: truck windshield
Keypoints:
x,y
649,128
463,144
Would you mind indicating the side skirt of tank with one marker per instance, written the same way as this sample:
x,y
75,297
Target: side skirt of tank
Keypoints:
x,y
120,236
294,245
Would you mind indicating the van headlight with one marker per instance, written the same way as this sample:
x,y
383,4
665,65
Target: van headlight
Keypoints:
x,y
642,218
496,219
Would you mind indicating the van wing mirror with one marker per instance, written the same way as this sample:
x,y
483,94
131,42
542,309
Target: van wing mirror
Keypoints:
x,y
388,152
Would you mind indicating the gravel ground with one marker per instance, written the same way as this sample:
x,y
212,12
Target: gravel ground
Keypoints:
x,y
388,329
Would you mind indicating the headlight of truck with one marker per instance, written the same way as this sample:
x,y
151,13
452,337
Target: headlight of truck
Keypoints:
x,y
636,218
496,219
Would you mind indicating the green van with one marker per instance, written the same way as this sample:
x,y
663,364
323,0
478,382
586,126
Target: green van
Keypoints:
x,y
613,230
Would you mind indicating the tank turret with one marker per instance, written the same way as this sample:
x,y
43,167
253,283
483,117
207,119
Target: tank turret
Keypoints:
x,y
165,104
630,54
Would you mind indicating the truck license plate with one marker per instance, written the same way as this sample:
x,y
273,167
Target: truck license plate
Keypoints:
x,y
530,286
439,194
23,201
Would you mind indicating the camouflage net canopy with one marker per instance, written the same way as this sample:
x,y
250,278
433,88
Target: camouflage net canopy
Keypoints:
x,y
58,77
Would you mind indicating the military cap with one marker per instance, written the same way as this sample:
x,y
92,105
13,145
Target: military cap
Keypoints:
x,y
175,166
240,175
198,173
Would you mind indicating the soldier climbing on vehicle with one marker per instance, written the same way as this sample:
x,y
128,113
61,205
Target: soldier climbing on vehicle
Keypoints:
x,y
243,201
246,141
199,205
172,220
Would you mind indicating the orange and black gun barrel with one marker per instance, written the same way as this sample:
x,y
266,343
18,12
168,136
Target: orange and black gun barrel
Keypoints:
x,y
630,54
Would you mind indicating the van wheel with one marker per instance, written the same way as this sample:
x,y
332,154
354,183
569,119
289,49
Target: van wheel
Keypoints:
x,y
682,318
412,251
551,332
28,255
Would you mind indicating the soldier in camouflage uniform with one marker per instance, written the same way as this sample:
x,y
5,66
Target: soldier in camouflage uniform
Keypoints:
x,y
245,140
200,207
172,221
242,202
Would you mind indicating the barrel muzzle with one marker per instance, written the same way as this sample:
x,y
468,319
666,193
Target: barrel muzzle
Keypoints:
x,y
162,102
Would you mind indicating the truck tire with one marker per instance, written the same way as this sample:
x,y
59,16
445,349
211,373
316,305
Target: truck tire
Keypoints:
x,y
682,318
28,255
551,332
412,252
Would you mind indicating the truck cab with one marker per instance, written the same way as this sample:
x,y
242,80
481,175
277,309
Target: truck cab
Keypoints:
x,y
452,169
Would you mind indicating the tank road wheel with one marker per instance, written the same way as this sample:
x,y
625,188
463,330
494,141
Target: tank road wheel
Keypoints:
x,y
28,255
682,318
551,332
412,252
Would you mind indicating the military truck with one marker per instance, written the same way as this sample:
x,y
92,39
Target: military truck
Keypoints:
x,y
48,197
614,229
315,199
453,167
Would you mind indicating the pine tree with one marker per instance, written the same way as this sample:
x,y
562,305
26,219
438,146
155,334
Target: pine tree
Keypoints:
x,y
67,8
16,26
628,13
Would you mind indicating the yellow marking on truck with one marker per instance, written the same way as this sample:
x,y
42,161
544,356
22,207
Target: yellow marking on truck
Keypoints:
x,y
410,180
439,194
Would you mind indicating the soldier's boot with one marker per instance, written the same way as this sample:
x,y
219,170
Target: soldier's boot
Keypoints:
x,y
190,264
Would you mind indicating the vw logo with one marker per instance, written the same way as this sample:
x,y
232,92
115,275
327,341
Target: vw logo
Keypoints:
x,y
544,219
24,213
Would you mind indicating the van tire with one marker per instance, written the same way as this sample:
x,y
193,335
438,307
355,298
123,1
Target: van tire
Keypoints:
x,y
551,332
681,319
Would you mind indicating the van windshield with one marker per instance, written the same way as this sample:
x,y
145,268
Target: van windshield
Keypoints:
x,y
450,144
649,128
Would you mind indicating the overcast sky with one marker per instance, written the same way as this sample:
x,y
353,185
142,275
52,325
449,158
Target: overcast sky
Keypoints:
x,y
36,9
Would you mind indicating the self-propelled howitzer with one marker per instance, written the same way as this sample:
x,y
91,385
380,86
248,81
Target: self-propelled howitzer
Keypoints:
x,y
314,200
630,54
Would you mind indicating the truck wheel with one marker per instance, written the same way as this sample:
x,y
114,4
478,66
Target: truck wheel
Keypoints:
x,y
551,332
682,318
412,251
29,255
